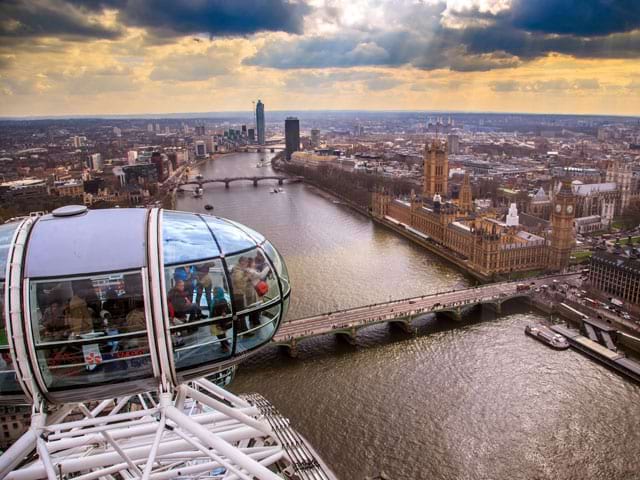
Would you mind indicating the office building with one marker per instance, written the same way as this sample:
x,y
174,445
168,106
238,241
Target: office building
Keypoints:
x,y
132,156
260,122
315,138
453,144
95,162
291,136
79,142
616,275
201,149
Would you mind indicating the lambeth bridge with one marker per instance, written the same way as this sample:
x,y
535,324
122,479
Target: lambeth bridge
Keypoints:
x,y
228,180
453,303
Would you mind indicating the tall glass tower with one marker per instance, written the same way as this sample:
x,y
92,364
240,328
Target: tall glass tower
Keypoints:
x,y
260,122
291,135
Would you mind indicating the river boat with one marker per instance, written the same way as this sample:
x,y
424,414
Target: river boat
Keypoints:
x,y
547,336
199,177
208,207
197,193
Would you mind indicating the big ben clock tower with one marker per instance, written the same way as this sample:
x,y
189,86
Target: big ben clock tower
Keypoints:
x,y
562,229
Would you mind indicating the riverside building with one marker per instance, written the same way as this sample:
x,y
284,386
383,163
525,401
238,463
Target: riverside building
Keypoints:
x,y
486,245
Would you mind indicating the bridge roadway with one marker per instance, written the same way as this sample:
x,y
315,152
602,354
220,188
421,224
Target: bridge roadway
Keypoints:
x,y
454,303
255,180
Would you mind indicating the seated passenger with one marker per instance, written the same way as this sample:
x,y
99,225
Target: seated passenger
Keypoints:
x,y
114,309
135,318
53,323
186,275
80,317
181,302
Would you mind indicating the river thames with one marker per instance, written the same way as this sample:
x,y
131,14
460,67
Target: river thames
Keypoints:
x,y
470,400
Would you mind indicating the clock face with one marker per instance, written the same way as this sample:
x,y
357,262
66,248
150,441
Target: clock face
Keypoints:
x,y
558,208
569,208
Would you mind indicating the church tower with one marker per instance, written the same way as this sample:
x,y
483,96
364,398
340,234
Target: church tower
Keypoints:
x,y
562,229
466,201
436,169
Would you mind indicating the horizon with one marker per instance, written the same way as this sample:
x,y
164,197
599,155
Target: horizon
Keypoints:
x,y
222,113
66,58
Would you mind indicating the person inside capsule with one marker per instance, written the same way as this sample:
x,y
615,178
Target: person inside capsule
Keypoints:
x,y
90,329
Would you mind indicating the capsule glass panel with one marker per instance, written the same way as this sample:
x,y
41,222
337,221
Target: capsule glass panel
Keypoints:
x,y
257,327
90,330
199,307
253,281
230,238
257,237
8,381
278,263
185,238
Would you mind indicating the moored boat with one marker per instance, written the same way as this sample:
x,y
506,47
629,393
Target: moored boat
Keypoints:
x,y
547,336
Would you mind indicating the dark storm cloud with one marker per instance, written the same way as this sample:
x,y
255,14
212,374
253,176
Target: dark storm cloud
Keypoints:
x,y
481,41
217,17
392,48
166,18
575,17
41,18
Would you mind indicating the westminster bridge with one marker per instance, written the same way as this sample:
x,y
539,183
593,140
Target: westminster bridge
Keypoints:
x,y
453,303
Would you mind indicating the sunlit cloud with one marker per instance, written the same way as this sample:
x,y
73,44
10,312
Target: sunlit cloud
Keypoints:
x,y
123,56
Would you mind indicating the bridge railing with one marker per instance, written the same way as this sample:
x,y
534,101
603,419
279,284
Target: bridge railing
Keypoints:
x,y
444,292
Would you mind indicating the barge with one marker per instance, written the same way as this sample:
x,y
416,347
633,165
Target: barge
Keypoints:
x,y
611,359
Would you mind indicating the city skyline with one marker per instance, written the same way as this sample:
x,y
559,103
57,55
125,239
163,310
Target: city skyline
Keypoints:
x,y
65,58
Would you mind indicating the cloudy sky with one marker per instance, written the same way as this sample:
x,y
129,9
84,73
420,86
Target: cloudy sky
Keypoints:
x,y
60,57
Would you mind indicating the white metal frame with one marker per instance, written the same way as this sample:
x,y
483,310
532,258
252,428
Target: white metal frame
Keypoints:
x,y
195,430
199,430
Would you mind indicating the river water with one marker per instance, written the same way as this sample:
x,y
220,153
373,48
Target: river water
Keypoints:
x,y
471,400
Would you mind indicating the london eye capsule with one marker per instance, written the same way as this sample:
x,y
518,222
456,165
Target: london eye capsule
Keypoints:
x,y
103,303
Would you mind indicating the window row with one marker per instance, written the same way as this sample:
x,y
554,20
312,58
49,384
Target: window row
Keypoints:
x,y
93,330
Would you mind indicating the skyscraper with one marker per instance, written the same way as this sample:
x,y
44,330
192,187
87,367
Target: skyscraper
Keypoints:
x,y
291,136
260,121
453,142
315,138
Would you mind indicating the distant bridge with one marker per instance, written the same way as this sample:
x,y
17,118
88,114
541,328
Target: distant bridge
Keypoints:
x,y
228,180
453,303
262,148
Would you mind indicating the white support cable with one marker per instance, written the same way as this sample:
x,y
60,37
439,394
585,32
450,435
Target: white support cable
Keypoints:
x,y
210,453
154,448
41,448
227,410
102,428
17,452
221,392
90,422
113,444
220,445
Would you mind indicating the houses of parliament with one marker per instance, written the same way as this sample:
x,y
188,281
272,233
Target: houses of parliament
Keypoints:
x,y
488,244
